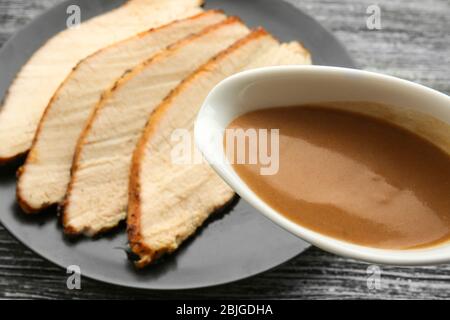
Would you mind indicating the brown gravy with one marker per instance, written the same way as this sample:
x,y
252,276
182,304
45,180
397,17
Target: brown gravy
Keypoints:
x,y
353,177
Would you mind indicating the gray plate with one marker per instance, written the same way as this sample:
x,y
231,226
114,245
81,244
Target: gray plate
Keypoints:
x,y
233,245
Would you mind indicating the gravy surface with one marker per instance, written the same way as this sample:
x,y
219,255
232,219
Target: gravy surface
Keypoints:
x,y
353,177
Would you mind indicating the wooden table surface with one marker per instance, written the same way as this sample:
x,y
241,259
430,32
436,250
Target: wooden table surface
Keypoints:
x,y
414,43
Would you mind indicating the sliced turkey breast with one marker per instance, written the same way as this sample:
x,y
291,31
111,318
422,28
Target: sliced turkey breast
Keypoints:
x,y
38,80
44,178
98,192
169,201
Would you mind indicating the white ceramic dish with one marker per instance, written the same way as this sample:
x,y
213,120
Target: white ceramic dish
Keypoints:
x,y
296,85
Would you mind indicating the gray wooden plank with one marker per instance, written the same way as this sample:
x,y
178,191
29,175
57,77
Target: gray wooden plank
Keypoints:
x,y
414,44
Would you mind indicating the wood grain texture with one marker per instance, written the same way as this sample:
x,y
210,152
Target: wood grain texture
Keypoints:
x,y
414,44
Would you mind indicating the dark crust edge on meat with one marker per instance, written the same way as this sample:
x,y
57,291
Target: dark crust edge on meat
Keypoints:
x,y
146,254
69,230
21,199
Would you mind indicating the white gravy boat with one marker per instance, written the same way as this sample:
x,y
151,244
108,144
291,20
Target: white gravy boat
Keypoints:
x,y
416,107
